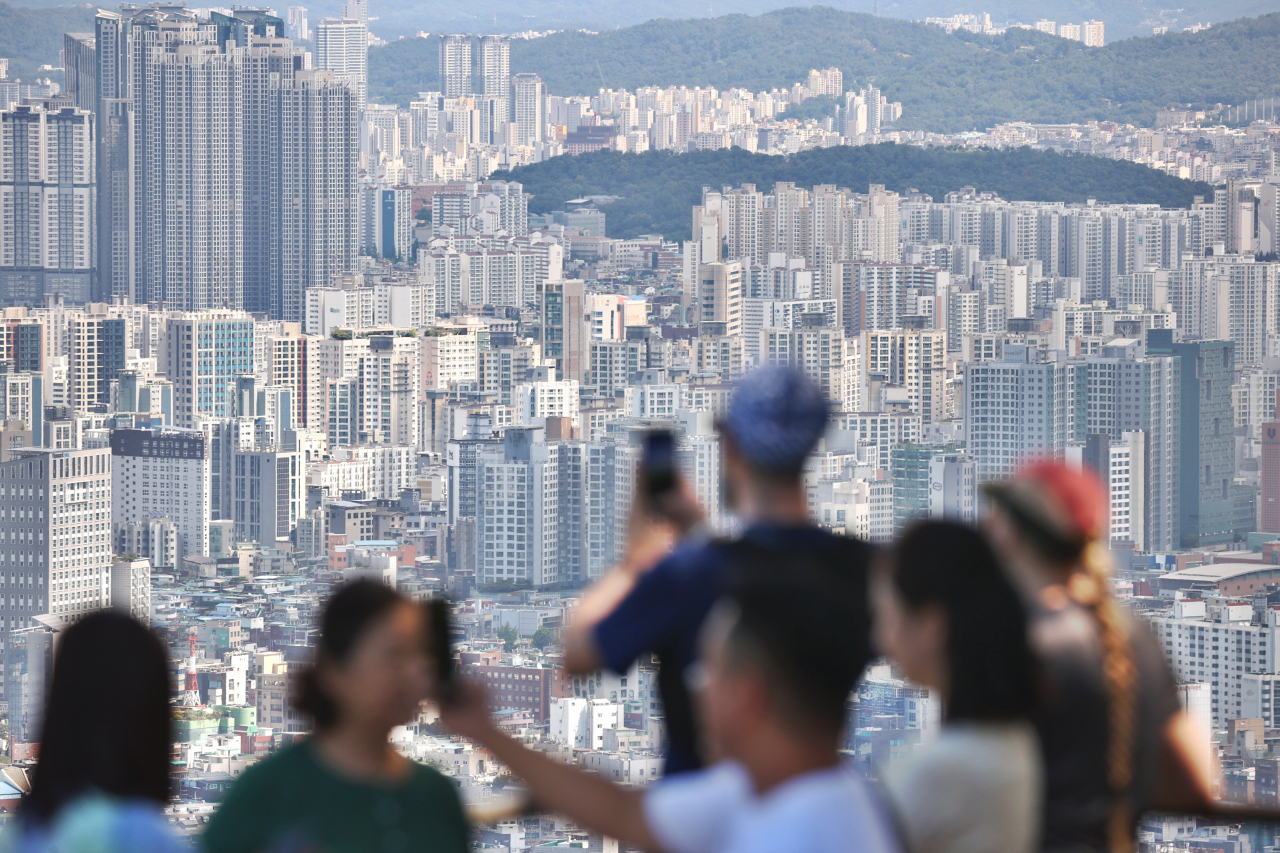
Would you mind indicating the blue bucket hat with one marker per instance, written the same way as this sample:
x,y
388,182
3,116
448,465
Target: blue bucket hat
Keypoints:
x,y
776,417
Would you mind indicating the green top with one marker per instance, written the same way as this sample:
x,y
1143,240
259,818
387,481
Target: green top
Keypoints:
x,y
293,801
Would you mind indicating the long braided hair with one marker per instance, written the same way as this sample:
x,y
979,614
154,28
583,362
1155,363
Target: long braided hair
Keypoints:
x,y
1090,589
1083,558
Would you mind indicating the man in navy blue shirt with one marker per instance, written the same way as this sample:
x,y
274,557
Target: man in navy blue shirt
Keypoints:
x,y
656,602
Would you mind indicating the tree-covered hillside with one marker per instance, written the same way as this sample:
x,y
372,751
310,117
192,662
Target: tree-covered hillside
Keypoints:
x,y
32,37
945,82
658,188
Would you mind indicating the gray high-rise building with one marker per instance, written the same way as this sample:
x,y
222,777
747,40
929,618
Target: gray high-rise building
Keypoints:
x,y
80,69
300,224
46,203
228,176
455,65
116,235
1212,509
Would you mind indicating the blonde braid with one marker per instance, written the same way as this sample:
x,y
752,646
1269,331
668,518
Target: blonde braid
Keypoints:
x,y
1089,588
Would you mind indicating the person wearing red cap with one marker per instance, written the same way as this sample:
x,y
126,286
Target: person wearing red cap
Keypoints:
x,y
1114,741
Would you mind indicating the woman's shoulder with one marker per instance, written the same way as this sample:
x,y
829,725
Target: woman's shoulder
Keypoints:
x,y
286,769
100,824
293,759
426,776
985,755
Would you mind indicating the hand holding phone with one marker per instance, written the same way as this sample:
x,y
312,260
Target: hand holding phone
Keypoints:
x,y
658,466
440,647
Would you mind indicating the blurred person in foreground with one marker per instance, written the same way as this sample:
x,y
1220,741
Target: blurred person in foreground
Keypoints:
x,y
778,660
1114,740
345,788
949,616
656,601
102,779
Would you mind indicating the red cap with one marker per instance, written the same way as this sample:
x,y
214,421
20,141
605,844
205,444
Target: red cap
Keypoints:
x,y
1077,500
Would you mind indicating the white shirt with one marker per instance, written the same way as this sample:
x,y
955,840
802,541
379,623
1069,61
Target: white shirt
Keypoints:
x,y
718,811
977,788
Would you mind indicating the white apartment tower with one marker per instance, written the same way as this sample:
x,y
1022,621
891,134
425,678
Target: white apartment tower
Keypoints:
x,y
298,27
342,46
163,474
1014,409
495,65
455,66
529,109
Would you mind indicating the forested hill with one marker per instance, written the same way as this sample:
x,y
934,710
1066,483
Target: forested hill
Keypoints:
x,y
659,188
30,38
946,82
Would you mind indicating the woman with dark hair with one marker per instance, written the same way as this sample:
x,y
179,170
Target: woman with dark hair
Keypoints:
x,y
345,788
106,745
948,616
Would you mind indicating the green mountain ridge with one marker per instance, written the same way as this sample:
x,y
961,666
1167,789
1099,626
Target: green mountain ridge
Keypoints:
x,y
30,37
1124,18
657,189
946,82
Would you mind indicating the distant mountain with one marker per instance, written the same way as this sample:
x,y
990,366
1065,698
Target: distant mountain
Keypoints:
x,y
658,188
1124,18
946,82
30,37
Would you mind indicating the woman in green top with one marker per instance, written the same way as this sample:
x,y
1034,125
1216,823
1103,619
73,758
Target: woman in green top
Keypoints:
x,y
345,789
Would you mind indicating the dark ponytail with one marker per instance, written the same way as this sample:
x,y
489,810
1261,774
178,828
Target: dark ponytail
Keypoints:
x,y
350,612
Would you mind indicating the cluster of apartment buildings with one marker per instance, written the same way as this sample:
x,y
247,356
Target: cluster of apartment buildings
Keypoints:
x,y
1091,33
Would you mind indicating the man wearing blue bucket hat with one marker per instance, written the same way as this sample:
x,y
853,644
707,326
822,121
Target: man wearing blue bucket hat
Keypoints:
x,y
775,419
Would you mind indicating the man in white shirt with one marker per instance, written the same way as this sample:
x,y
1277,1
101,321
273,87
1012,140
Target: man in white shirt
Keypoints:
x,y
779,658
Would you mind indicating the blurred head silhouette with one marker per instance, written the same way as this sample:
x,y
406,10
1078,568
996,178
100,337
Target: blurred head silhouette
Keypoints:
x,y
107,726
946,612
372,668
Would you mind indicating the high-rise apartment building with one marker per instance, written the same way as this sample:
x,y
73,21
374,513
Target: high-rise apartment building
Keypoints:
x,y
1269,465
495,65
291,363
525,501
455,66
47,198
912,359
98,340
205,353
342,46
162,473
299,28
564,329
822,353
55,552
1093,33
529,109
267,494
300,220
192,109
720,299
1014,409
388,370
191,256
1213,510
80,70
